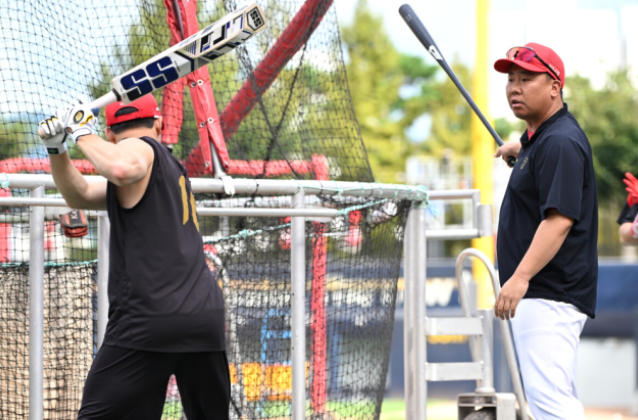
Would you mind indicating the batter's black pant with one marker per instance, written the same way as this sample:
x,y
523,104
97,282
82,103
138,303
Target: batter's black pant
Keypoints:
x,y
131,384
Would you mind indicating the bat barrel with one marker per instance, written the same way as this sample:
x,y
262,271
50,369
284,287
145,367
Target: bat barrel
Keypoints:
x,y
417,27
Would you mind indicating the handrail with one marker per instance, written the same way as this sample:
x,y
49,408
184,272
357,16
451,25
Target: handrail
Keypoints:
x,y
510,352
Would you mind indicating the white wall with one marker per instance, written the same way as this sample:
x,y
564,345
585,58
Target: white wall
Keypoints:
x,y
606,372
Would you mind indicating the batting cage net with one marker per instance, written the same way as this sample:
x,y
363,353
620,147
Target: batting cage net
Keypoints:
x,y
277,106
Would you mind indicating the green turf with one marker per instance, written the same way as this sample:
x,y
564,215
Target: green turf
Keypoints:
x,y
392,409
172,411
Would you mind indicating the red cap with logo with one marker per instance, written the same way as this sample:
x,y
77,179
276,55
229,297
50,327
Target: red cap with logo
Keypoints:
x,y
536,58
145,107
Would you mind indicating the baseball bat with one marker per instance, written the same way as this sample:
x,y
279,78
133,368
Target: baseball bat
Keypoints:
x,y
424,37
185,57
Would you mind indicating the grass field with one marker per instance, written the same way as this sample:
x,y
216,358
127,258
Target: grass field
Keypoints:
x,y
394,409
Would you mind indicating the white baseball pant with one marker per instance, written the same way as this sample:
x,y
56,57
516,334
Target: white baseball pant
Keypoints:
x,y
546,334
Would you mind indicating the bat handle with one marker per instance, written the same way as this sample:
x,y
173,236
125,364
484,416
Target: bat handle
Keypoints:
x,y
105,100
96,105
511,161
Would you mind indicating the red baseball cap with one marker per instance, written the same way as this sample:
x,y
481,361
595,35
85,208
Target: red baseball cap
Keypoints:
x,y
534,57
146,107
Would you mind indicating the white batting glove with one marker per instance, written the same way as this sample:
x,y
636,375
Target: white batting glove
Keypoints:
x,y
53,135
78,119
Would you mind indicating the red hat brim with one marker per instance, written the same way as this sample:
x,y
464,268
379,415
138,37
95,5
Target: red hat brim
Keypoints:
x,y
146,107
503,66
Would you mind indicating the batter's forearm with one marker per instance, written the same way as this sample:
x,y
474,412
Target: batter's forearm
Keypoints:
x,y
69,181
549,237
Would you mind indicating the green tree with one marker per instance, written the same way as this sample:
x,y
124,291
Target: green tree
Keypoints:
x,y
17,139
505,128
375,77
608,118
451,116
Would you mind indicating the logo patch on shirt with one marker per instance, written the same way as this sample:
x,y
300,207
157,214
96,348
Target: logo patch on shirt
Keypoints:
x,y
524,163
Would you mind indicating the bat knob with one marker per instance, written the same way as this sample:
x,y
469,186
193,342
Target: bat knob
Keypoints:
x,y
40,133
511,161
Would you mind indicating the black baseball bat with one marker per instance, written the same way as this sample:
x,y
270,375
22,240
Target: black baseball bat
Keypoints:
x,y
422,34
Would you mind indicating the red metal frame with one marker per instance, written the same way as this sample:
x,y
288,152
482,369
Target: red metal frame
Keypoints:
x,y
5,233
318,322
201,90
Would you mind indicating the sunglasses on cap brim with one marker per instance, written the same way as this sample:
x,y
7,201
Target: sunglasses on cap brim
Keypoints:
x,y
527,54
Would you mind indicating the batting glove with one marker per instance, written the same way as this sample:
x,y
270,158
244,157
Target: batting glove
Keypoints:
x,y
79,120
53,135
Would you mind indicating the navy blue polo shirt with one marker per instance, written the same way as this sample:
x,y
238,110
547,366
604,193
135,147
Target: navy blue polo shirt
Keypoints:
x,y
554,171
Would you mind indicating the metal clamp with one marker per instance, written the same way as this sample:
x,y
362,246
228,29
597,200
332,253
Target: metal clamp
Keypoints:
x,y
229,185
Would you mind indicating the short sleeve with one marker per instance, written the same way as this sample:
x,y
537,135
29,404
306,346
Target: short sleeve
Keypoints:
x,y
560,175
628,214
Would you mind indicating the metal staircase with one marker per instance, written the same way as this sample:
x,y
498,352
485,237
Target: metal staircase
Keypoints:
x,y
479,326
485,403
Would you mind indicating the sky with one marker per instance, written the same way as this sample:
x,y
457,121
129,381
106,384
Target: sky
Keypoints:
x,y
591,36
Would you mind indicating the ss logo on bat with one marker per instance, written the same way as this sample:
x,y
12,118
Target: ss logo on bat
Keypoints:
x,y
157,74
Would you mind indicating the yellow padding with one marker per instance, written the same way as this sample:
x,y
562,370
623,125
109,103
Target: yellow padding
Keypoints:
x,y
275,381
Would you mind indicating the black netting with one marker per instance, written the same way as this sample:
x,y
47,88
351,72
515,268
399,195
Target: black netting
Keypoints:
x,y
294,121
305,111
69,333
352,268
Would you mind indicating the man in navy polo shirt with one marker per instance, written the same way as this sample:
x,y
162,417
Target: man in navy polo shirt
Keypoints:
x,y
547,233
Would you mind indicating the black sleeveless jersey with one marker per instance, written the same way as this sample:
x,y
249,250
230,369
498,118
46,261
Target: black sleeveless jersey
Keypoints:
x,y
162,295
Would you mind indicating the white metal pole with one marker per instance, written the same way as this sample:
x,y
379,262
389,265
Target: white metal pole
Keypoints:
x,y
36,309
298,304
408,318
103,239
487,352
419,273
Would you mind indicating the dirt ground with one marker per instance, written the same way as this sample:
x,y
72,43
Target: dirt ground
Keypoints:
x,y
607,414
394,409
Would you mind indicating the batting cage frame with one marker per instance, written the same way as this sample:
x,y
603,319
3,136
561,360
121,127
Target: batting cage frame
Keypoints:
x,y
314,237
299,207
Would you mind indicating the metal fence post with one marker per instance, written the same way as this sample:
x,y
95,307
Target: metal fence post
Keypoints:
x,y
408,323
103,241
415,344
419,326
487,351
36,308
298,304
